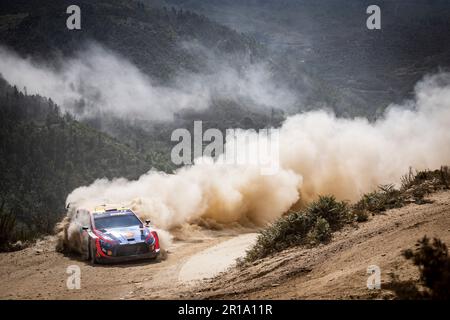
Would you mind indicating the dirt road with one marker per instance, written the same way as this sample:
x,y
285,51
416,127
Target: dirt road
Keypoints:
x,y
214,260
333,271
40,273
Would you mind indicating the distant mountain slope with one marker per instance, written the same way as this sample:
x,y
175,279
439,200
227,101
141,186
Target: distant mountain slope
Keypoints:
x,y
329,39
148,35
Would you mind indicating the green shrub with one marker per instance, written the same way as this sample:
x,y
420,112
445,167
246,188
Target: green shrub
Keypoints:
x,y
336,213
431,180
361,215
321,232
412,179
287,231
7,230
433,262
385,198
312,225
414,186
444,175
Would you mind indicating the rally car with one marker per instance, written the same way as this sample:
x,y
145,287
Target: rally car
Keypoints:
x,y
115,234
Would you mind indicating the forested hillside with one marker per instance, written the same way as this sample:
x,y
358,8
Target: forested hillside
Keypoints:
x,y
44,155
329,40
148,35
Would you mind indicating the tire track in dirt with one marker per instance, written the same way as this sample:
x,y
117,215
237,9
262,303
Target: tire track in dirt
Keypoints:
x,y
216,259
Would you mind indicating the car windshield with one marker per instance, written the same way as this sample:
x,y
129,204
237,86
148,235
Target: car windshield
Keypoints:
x,y
119,221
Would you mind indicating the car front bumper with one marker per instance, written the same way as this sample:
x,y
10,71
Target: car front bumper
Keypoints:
x,y
127,252
116,259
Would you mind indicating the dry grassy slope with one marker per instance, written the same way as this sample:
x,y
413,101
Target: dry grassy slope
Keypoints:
x,y
338,270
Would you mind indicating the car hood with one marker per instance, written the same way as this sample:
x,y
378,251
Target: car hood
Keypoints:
x,y
126,235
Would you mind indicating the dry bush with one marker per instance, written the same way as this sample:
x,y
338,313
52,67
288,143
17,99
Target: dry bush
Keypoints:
x,y
385,198
310,226
433,261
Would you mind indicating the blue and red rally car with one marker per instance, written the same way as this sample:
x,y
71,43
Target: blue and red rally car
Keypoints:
x,y
116,234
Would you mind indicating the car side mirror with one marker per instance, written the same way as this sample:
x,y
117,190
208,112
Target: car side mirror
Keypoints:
x,y
85,228
147,222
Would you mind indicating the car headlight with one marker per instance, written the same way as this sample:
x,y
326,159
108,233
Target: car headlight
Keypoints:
x,y
106,245
150,240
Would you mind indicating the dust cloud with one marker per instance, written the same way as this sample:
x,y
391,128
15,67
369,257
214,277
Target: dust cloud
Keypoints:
x,y
96,82
319,154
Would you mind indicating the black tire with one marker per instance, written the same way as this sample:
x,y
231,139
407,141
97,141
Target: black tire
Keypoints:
x,y
155,258
92,254
162,255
